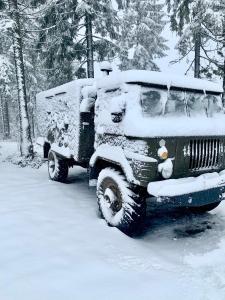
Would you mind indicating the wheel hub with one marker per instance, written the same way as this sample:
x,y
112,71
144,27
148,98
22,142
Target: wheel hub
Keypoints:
x,y
51,165
113,202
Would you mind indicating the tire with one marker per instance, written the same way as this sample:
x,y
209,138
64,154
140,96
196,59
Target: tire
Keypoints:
x,y
204,208
119,205
57,168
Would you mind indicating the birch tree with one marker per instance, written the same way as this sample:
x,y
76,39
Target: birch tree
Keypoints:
x,y
25,141
5,79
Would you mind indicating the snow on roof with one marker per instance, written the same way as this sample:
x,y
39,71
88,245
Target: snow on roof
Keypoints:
x,y
65,88
115,80
106,65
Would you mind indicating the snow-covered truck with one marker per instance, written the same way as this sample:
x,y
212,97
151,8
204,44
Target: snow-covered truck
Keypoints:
x,y
140,134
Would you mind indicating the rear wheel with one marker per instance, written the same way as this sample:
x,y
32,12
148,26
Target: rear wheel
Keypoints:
x,y
120,205
204,208
57,168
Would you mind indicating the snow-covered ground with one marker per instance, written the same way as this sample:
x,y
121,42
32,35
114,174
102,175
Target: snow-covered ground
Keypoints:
x,y
53,246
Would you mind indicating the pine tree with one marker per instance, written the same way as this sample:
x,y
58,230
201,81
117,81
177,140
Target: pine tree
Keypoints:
x,y
187,19
215,30
75,33
141,35
58,27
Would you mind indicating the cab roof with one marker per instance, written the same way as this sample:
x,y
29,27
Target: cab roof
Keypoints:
x,y
164,80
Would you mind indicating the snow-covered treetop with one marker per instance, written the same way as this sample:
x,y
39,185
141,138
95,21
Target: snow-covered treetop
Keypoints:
x,y
157,78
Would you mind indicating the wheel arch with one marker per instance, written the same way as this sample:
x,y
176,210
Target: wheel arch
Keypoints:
x,y
100,163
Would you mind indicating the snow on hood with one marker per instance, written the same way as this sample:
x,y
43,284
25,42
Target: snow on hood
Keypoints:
x,y
115,80
169,127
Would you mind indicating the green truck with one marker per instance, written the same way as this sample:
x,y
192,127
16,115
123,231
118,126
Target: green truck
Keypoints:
x,y
140,134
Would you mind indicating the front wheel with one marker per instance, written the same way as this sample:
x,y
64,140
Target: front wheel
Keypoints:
x,y
204,208
120,206
57,168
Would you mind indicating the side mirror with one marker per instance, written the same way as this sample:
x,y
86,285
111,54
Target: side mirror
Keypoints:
x,y
117,117
117,109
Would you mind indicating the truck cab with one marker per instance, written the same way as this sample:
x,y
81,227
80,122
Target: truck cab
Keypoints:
x,y
145,134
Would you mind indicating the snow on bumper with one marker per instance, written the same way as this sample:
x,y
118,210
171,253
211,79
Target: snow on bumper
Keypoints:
x,y
184,186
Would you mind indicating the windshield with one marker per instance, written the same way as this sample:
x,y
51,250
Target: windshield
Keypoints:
x,y
156,102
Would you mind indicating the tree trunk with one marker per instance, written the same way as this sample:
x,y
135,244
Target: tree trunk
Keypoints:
x,y
224,60
5,117
224,80
90,51
25,143
197,54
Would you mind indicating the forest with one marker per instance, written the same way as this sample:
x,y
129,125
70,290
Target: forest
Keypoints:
x,y
46,43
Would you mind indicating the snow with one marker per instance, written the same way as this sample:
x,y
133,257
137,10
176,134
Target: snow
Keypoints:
x,y
118,104
168,127
117,155
40,141
87,104
166,168
166,79
66,152
181,186
89,94
57,107
114,218
53,245
6,149
149,126
139,157
89,91
105,66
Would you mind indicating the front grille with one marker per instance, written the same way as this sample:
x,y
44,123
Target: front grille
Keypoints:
x,y
205,154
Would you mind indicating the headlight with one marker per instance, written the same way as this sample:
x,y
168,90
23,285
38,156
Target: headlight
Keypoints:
x,y
166,167
162,151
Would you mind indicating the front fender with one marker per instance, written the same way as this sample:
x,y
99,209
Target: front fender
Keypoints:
x,y
114,155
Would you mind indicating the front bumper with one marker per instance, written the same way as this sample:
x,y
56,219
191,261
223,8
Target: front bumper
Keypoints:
x,y
192,191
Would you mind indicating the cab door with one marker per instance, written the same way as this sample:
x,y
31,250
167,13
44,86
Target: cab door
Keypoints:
x,y
87,135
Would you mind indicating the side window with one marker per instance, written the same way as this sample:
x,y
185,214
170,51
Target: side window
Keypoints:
x,y
215,105
196,104
103,105
151,102
176,103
